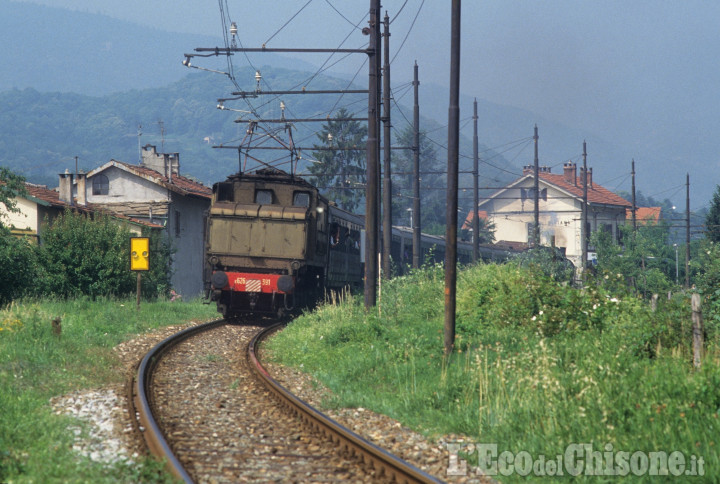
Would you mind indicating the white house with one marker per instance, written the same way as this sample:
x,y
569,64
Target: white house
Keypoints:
x,y
153,192
38,205
512,209
41,205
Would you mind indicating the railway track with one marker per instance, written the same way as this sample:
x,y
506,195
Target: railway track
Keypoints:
x,y
205,403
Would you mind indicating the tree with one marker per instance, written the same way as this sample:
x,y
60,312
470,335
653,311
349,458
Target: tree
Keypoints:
x,y
645,260
11,186
339,171
432,182
712,219
17,256
486,234
18,259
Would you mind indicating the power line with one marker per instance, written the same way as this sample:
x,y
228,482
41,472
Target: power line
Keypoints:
x,y
286,23
409,30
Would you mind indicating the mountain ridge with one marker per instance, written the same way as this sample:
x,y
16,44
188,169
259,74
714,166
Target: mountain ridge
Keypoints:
x,y
113,58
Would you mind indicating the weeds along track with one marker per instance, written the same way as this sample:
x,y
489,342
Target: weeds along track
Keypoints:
x,y
205,404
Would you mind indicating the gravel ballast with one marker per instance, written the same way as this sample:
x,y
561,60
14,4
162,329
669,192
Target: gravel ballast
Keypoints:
x,y
110,437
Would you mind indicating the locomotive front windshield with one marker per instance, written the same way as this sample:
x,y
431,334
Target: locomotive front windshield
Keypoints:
x,y
264,197
301,199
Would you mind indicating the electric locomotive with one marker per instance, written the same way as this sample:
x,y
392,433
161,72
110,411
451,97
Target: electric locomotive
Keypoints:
x,y
273,243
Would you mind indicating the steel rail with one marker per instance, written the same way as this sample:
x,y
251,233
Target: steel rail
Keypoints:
x,y
382,460
139,389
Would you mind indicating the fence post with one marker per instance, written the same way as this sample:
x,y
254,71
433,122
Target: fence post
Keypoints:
x,y
697,329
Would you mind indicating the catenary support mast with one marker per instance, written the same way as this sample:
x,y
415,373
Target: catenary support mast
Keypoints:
x,y
387,180
371,198
451,214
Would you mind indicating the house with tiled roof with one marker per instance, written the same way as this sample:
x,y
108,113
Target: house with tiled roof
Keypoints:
x,y
512,209
645,215
468,223
154,192
41,205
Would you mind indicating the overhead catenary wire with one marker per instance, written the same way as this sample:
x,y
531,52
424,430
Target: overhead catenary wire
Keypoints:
x,y
254,107
408,32
287,22
341,14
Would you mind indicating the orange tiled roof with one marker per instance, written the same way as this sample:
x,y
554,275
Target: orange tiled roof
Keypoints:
x,y
467,225
41,192
52,197
596,194
644,214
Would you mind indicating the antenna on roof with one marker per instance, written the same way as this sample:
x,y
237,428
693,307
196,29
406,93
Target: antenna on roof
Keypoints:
x,y
162,135
139,144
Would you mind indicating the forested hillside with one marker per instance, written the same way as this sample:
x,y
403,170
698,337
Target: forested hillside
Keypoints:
x,y
41,133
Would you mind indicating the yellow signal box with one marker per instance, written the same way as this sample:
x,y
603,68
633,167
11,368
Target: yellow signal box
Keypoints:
x,y
139,253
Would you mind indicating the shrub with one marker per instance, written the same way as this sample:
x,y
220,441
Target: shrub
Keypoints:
x,y
550,261
156,281
82,255
19,273
511,296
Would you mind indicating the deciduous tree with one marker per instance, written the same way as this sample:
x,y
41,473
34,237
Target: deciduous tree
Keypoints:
x,y
712,219
11,186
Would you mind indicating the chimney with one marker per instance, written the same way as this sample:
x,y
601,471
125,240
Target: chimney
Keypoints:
x,y
174,161
528,170
168,164
570,173
81,194
589,177
65,188
544,169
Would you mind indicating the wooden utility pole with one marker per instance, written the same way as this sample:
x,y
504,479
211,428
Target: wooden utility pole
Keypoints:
x,y
371,198
697,329
416,221
476,196
536,195
387,181
451,214
584,221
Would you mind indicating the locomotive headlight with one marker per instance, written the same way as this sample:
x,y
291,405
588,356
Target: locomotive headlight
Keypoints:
x,y
219,280
285,283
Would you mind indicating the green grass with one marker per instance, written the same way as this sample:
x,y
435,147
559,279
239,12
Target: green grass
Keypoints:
x,y
36,365
537,366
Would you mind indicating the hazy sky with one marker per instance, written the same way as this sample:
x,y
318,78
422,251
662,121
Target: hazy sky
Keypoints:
x,y
643,73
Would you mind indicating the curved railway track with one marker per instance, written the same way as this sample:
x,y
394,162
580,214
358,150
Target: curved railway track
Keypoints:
x,y
245,436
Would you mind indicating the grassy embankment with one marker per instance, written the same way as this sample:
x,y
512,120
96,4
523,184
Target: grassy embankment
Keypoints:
x,y
538,367
36,365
